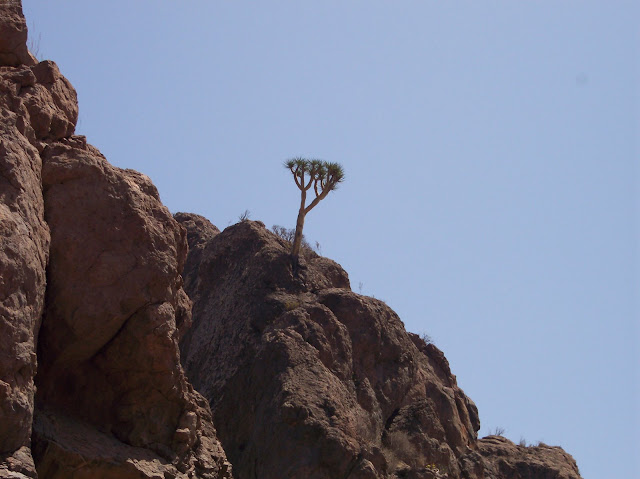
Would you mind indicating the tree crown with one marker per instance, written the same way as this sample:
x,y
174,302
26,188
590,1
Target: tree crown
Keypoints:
x,y
322,175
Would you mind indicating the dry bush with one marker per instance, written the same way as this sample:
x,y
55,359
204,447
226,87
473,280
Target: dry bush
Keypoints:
x,y
244,216
398,449
289,234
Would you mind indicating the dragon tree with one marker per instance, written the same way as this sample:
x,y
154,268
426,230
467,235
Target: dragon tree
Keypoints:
x,y
323,177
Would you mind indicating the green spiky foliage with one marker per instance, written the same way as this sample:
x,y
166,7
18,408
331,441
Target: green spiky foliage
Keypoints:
x,y
323,177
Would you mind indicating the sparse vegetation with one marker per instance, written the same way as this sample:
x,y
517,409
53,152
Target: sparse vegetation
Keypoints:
x,y
401,454
33,43
323,177
498,431
426,338
285,233
246,215
399,450
291,305
289,234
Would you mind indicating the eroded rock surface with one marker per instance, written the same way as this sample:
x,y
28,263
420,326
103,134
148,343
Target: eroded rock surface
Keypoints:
x,y
108,342
24,242
24,248
13,35
95,242
308,379
497,457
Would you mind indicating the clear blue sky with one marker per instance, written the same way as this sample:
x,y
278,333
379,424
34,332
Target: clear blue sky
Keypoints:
x,y
491,151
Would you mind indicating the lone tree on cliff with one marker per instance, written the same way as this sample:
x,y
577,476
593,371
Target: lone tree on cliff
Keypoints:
x,y
323,177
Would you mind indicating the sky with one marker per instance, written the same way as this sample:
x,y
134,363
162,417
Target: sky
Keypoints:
x,y
491,153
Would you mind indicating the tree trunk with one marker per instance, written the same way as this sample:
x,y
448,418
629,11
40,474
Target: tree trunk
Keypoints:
x,y
297,239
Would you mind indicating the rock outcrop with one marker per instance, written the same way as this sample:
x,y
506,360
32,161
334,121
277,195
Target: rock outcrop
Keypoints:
x,y
303,378
95,244
307,379
108,343
497,457
13,35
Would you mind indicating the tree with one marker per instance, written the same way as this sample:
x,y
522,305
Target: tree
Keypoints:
x,y
323,177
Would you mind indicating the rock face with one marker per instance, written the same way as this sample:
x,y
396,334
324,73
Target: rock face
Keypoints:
x,y
199,231
307,379
500,458
97,246
24,242
13,35
108,343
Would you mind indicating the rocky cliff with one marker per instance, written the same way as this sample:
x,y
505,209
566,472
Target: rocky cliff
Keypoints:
x,y
302,377
309,380
90,297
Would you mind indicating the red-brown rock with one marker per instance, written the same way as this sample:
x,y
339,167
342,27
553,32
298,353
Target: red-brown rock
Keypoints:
x,y
108,341
199,231
113,400
13,35
498,457
308,379
43,100
24,249
51,105
17,464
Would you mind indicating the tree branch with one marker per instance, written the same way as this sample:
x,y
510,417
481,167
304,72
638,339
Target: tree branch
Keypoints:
x,y
311,179
316,200
295,177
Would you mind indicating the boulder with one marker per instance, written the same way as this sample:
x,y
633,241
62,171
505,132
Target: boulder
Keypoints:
x,y
108,348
